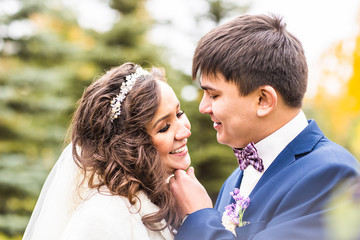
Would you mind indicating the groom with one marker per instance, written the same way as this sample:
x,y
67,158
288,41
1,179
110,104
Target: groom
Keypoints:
x,y
254,76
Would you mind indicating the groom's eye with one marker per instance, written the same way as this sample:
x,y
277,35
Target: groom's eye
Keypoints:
x,y
180,113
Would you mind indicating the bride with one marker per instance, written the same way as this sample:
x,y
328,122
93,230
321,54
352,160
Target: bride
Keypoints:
x,y
128,136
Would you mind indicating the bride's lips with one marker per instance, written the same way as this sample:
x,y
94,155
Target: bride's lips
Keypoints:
x,y
180,151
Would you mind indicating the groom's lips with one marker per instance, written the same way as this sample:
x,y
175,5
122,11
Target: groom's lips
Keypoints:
x,y
217,125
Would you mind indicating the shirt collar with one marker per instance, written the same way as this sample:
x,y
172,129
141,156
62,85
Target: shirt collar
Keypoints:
x,y
271,146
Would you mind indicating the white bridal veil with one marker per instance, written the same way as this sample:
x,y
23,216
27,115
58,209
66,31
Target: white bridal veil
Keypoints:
x,y
58,199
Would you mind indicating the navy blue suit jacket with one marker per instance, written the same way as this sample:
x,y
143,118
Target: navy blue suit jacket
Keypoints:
x,y
290,199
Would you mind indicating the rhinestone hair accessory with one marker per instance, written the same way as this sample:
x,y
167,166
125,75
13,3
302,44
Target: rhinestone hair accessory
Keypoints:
x,y
126,86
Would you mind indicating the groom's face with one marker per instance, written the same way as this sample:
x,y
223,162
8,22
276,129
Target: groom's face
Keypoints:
x,y
234,116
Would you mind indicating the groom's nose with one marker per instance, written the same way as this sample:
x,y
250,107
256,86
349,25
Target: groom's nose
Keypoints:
x,y
205,105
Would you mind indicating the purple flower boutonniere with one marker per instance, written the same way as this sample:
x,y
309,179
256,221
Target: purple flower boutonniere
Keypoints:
x,y
232,217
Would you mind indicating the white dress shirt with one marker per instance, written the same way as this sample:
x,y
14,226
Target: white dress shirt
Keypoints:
x,y
269,148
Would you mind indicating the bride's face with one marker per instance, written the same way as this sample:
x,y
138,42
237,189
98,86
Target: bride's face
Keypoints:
x,y
170,130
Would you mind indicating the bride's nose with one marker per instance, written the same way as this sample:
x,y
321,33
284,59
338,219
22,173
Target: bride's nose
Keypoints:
x,y
183,131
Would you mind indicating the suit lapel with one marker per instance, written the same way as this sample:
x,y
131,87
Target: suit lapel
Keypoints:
x,y
302,144
224,196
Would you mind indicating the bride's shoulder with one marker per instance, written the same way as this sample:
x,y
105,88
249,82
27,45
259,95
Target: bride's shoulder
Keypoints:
x,y
101,215
103,200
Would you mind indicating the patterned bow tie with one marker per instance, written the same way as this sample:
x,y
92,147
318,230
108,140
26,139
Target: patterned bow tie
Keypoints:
x,y
249,155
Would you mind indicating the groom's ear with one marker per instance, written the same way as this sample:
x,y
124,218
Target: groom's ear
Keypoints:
x,y
267,100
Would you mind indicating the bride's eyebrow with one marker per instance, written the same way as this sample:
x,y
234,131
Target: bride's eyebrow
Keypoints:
x,y
161,119
165,117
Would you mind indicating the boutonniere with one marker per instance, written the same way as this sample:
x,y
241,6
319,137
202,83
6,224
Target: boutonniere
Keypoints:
x,y
232,217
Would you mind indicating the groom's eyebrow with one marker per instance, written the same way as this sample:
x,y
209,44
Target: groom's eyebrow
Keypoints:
x,y
204,87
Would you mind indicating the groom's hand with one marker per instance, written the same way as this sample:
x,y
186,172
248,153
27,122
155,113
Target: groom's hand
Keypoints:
x,y
190,195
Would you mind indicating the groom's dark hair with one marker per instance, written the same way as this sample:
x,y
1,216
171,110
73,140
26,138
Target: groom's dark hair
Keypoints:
x,y
252,51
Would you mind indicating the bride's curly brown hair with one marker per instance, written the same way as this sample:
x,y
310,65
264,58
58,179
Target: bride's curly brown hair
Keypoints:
x,y
119,154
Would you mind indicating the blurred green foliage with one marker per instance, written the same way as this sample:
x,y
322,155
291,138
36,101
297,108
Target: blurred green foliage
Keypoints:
x,y
343,221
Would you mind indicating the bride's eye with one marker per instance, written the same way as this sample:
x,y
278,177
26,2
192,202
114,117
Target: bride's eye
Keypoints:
x,y
180,113
164,129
